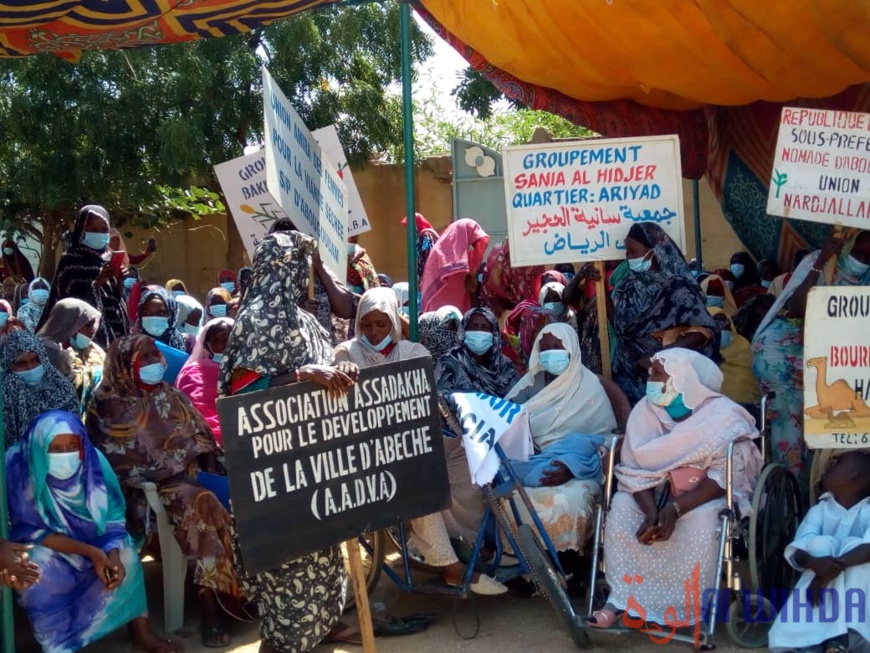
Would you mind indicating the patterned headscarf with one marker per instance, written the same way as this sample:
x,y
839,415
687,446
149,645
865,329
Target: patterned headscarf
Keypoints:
x,y
460,371
506,282
435,334
172,337
272,334
22,402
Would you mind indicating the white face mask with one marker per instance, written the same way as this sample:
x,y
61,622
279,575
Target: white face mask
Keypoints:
x,y
64,465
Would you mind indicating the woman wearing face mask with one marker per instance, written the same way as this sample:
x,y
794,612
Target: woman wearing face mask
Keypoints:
x,y
747,281
663,520
176,288
66,501
199,377
658,305
739,382
131,278
227,281
15,263
117,244
217,303
149,431
570,414
158,314
8,321
361,273
778,343
31,313
31,384
189,317
84,273
378,341
718,295
473,364
68,337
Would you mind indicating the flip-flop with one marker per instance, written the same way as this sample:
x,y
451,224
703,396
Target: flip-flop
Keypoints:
x,y
210,632
347,635
602,619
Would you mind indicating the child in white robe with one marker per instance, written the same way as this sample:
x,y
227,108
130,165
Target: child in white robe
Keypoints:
x,y
827,611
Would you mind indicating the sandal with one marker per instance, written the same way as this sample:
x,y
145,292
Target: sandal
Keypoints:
x,y
211,636
602,619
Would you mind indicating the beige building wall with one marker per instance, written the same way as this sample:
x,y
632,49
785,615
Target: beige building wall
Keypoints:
x,y
196,250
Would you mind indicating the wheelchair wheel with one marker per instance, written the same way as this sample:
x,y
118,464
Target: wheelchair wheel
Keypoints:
x,y
776,514
749,619
549,583
372,562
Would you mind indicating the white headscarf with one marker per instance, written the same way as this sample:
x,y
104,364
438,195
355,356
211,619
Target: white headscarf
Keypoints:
x,y
547,287
199,349
383,300
186,306
574,402
693,374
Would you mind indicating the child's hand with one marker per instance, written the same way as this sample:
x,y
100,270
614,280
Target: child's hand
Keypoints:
x,y
827,568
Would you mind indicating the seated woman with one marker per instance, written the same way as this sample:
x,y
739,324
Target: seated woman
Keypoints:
x,y
199,377
379,341
474,364
68,337
31,313
189,318
437,332
570,414
150,432
657,306
663,520
718,295
31,384
158,315
65,501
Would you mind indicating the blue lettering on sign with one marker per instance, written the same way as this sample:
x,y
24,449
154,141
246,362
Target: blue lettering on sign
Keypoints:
x,y
284,183
311,185
302,141
282,113
254,190
334,188
252,169
582,156
282,147
305,210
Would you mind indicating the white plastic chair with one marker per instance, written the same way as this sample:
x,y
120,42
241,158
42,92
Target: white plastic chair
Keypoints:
x,y
174,561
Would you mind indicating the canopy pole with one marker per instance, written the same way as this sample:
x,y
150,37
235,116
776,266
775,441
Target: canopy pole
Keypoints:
x,y
410,193
7,632
696,202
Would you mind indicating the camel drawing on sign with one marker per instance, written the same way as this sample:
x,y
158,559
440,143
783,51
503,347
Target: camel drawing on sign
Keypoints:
x,y
834,397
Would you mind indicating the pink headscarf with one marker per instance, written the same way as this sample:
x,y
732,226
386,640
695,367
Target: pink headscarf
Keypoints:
x,y
458,252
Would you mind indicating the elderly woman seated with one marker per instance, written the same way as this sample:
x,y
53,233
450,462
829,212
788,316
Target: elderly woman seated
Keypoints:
x,y
662,521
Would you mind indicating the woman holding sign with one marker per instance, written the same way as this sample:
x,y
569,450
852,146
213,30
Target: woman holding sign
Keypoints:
x,y
379,341
778,343
275,342
657,306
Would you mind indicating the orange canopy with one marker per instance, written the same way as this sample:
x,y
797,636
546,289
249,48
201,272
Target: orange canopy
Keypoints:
x,y
670,54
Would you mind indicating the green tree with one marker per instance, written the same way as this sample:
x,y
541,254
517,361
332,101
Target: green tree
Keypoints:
x,y
129,129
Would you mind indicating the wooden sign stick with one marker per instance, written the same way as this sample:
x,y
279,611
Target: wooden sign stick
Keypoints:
x,y
311,283
601,305
361,597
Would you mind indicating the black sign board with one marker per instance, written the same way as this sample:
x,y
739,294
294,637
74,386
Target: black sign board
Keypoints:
x,y
308,470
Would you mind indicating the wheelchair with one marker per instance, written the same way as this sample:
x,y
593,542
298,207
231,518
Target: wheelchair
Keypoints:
x,y
759,540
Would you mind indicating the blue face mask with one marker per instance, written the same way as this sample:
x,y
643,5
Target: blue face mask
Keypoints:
x,y
351,248
556,307
4,318
715,302
642,264
555,361
217,358
152,374
155,326
178,293
569,276
192,329
95,240
32,377
25,301
727,339
677,409
63,466
218,310
478,342
229,286
657,395
79,341
39,296
852,267
737,269
129,282
383,344
765,283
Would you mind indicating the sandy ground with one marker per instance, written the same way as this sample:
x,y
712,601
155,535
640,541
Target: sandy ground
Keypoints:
x,y
506,624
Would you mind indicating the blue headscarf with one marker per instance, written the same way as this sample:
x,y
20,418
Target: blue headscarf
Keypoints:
x,y
88,507
172,337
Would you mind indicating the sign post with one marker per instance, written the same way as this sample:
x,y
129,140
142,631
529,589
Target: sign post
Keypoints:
x,y
837,375
821,171
303,181
576,200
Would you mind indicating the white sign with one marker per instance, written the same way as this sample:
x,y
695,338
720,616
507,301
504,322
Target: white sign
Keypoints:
x,y
837,374
305,183
357,220
575,201
821,171
252,206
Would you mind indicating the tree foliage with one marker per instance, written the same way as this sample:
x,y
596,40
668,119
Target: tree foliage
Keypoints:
x,y
129,129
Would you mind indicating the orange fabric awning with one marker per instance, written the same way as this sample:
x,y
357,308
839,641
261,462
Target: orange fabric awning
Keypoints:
x,y
670,54
67,27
